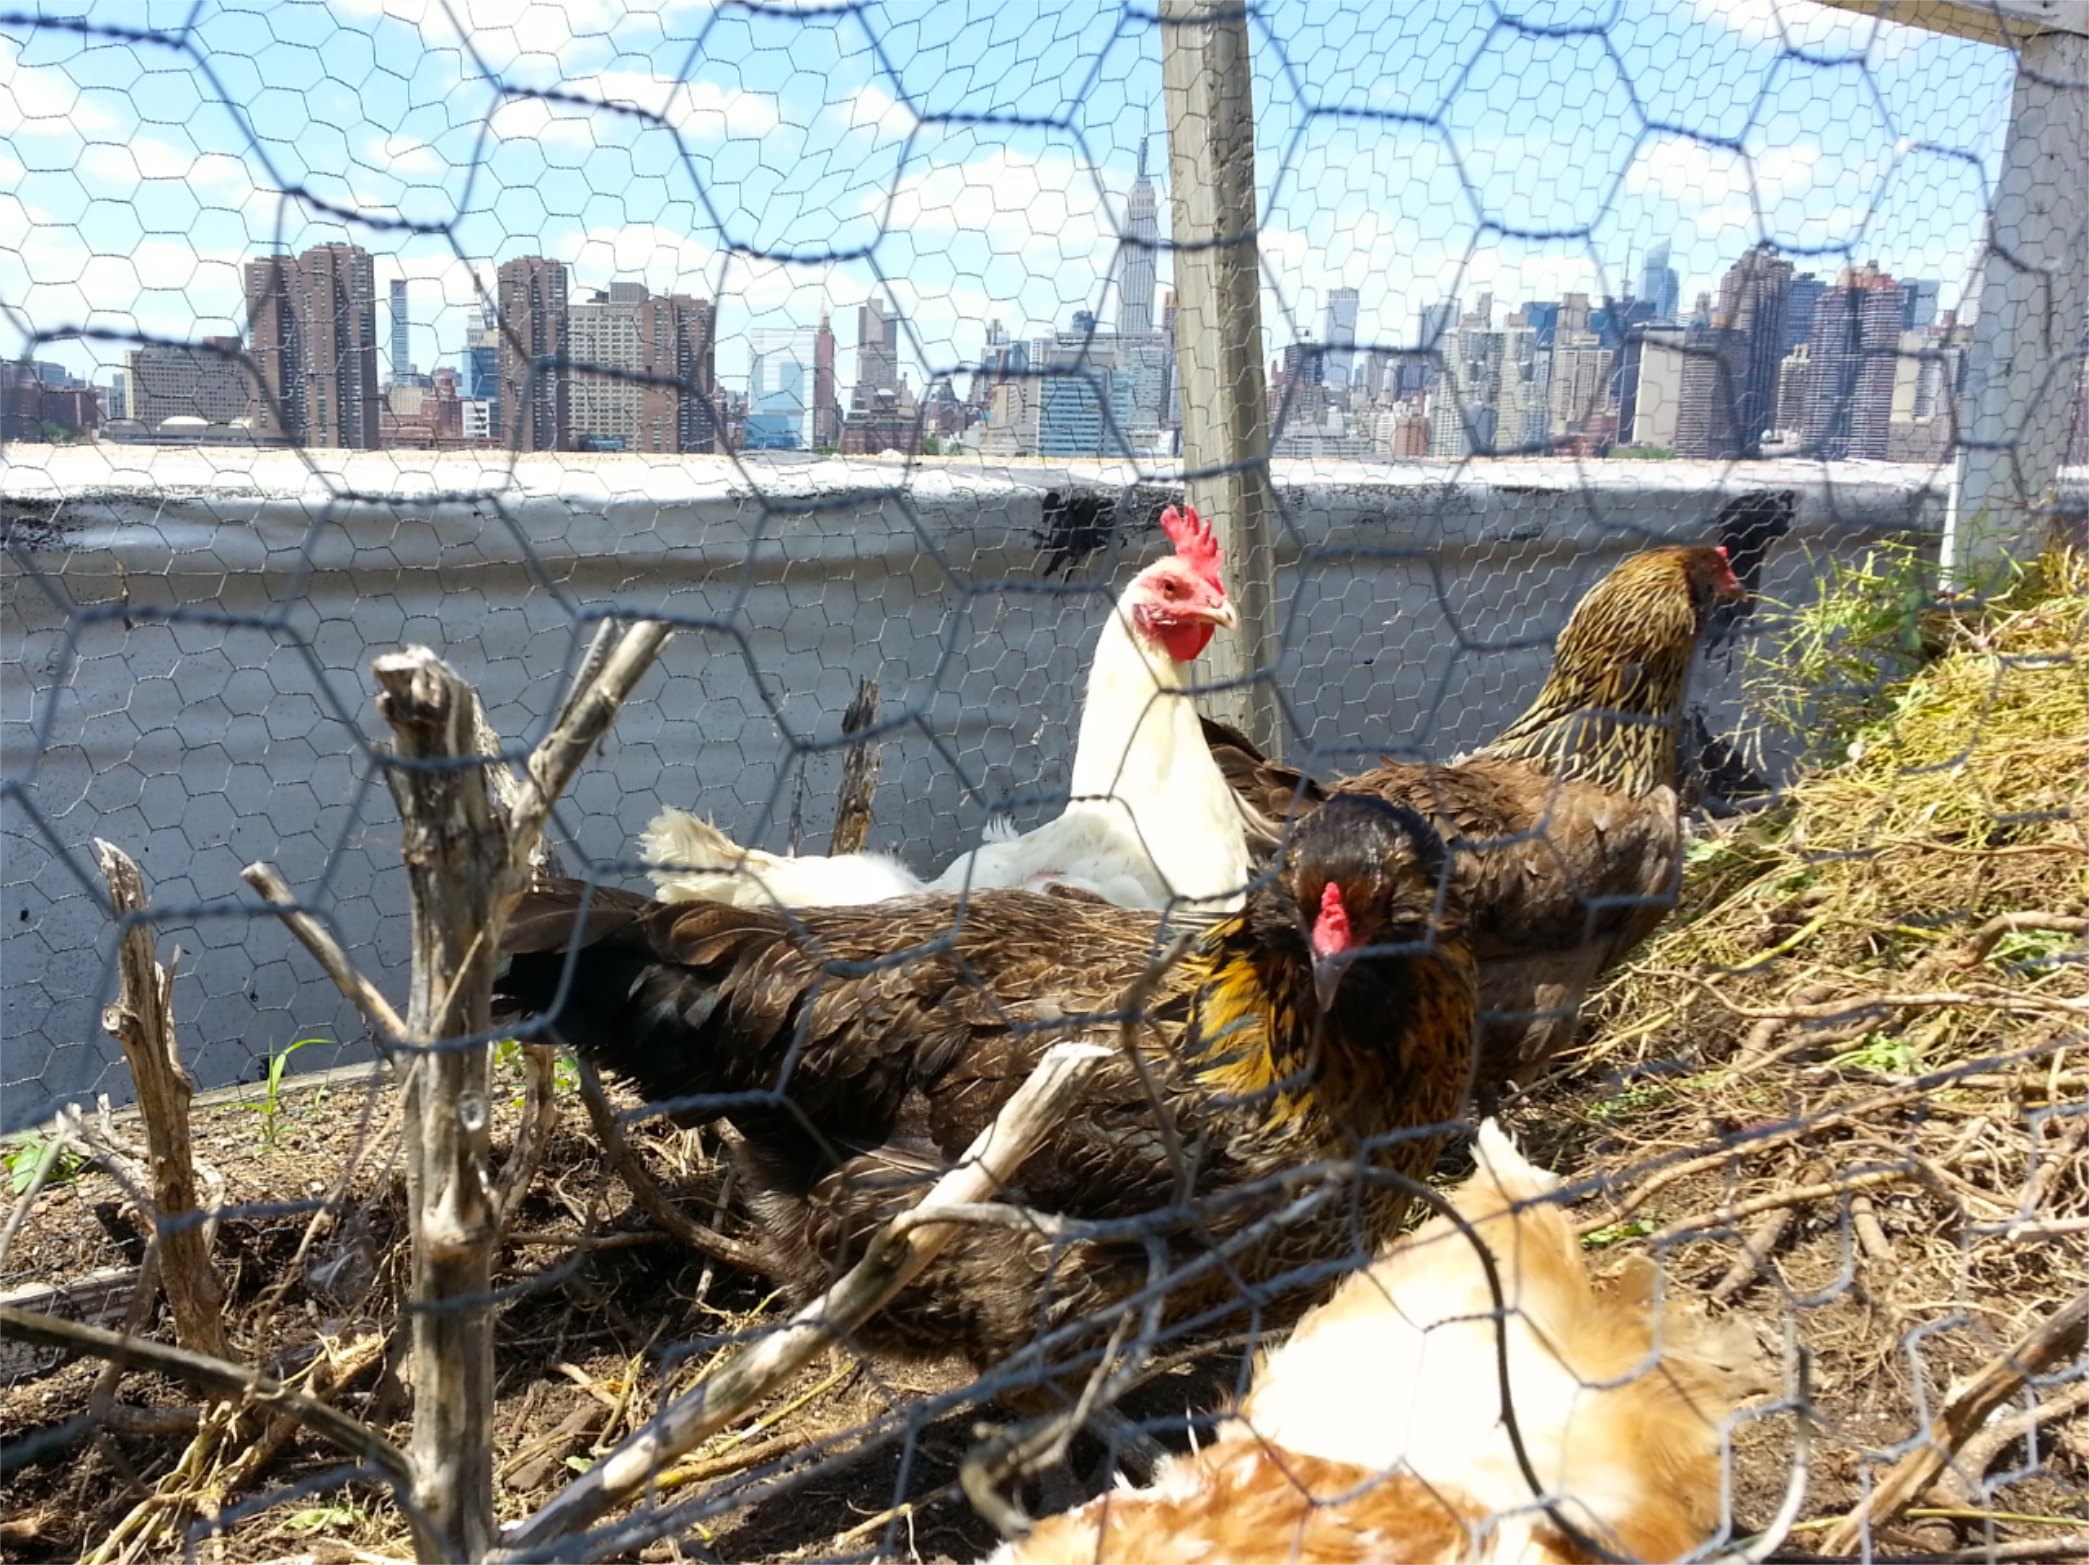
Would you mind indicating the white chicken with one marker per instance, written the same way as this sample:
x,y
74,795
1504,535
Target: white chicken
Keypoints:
x,y
1376,1432
1150,822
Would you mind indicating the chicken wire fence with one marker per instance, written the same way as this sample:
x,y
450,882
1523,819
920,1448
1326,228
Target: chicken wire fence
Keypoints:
x,y
846,341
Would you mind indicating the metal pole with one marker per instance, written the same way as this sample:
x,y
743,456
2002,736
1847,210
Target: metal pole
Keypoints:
x,y
2033,300
1207,78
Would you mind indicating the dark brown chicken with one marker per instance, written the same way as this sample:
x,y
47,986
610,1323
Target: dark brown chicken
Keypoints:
x,y
1565,830
859,1051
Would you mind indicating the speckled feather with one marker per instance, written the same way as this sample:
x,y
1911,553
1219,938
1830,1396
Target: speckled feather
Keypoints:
x,y
879,1041
1569,845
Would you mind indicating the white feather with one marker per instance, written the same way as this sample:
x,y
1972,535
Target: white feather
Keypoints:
x,y
1398,1372
1151,822
693,861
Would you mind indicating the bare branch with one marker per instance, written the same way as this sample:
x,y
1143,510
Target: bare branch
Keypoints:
x,y
1988,934
459,869
365,996
142,1022
584,719
859,773
892,1260
540,1111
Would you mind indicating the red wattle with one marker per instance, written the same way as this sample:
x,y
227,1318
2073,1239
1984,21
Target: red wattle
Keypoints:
x,y
1184,640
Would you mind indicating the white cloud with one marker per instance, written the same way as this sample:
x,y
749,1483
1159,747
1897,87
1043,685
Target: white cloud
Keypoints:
x,y
44,100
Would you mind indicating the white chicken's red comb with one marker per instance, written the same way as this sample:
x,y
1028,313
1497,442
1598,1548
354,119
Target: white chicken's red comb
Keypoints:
x,y
1194,542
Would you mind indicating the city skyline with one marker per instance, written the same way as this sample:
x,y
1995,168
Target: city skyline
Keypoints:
x,y
814,149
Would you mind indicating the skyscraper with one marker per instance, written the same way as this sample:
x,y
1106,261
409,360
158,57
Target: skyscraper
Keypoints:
x,y
1753,296
877,354
781,371
402,347
312,320
1659,283
1918,304
1852,359
534,395
1799,304
1142,234
826,410
1730,372
1341,336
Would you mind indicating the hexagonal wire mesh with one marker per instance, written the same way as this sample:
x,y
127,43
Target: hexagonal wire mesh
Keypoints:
x,y
1834,1099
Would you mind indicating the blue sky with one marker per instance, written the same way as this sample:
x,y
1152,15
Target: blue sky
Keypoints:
x,y
782,162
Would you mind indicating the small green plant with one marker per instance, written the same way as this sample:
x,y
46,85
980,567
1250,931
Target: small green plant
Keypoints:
x,y
23,1157
565,1075
1617,1233
1883,1054
1631,1101
1828,680
2031,947
336,1517
270,1108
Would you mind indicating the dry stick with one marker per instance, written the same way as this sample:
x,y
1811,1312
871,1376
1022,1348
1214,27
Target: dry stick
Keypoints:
x,y
1622,1208
584,719
1979,1453
365,996
459,869
2052,1341
46,1161
1798,1195
539,1061
896,1255
859,773
228,1381
540,1112
651,1199
1761,1240
1985,937
142,1021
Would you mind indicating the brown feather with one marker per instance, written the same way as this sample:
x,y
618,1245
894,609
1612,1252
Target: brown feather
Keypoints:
x,y
859,1050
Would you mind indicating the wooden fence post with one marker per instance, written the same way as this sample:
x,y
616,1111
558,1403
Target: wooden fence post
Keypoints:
x,y
1208,82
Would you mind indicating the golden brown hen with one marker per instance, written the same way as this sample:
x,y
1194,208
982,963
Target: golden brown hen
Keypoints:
x,y
859,1050
1565,829
1378,1431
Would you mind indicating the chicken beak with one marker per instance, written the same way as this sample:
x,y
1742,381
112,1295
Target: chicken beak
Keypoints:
x,y
1224,616
1327,978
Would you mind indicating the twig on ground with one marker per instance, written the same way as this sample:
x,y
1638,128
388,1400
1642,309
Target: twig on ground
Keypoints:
x,y
1761,1240
889,1263
1798,1195
1978,1454
651,1199
2052,1341
221,1379
540,1112
46,1161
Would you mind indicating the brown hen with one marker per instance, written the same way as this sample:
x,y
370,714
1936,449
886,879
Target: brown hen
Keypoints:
x,y
1565,829
859,1050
